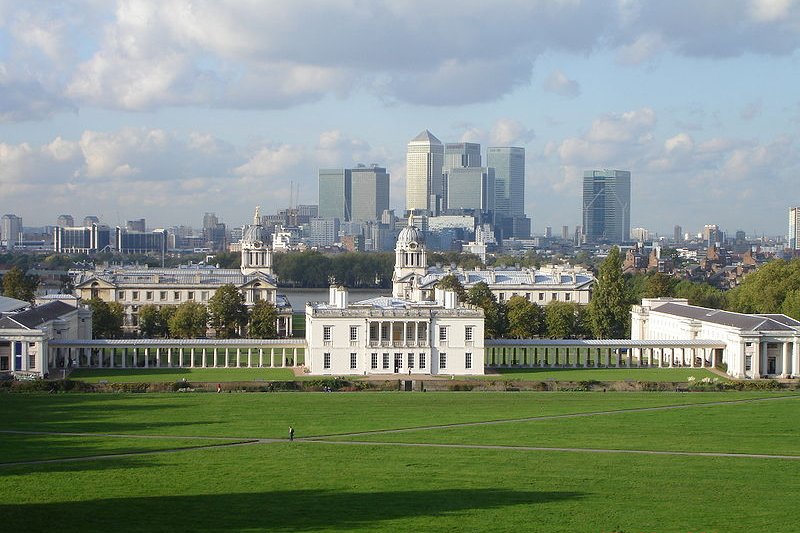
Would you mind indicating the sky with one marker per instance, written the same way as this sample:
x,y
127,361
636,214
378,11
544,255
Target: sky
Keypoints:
x,y
166,109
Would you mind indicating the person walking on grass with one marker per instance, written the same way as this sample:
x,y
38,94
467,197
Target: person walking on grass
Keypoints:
x,y
219,388
291,433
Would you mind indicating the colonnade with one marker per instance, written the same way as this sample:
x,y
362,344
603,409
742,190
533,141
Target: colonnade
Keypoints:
x,y
581,354
398,333
100,354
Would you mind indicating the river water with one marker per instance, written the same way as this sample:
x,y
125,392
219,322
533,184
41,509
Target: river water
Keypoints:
x,y
299,297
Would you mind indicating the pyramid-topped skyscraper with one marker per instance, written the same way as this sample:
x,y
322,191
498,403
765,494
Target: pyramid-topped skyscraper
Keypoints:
x,y
424,172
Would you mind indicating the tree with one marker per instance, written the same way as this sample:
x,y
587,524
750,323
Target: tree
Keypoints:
x,y
228,314
106,318
700,293
561,319
451,283
609,307
189,321
166,312
263,321
525,319
149,320
658,285
17,284
496,322
765,290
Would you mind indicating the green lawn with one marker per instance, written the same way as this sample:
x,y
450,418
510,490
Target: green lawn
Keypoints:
x,y
38,447
269,415
771,427
340,486
159,375
600,374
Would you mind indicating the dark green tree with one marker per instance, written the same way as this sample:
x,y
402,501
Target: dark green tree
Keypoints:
x,y
525,319
228,314
17,284
189,321
765,290
562,320
609,308
496,321
149,321
106,318
166,312
658,285
451,283
263,321
700,293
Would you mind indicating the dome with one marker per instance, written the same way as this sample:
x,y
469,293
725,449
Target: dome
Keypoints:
x,y
410,235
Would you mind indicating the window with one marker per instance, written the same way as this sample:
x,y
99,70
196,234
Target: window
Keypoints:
x,y
326,360
121,295
134,295
162,295
148,295
411,360
468,333
353,361
442,333
554,296
442,360
748,362
528,296
374,361
567,297
353,333
31,361
176,295
422,360
326,333
541,296
467,360
204,296
398,362
386,361
190,295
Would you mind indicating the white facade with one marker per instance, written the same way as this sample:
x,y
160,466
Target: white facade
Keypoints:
x,y
24,336
756,346
400,334
388,335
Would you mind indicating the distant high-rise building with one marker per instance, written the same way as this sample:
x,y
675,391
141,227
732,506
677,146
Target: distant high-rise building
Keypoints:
x,y
677,234
335,193
135,225
323,231
461,155
65,221
509,172
712,235
607,205
471,188
548,232
10,230
369,192
794,228
424,161
640,234
89,220
214,232
565,233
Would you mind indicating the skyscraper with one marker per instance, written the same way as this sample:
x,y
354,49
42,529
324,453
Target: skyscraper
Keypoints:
x,y
461,155
10,230
65,221
607,205
794,228
334,193
369,195
424,161
471,188
509,174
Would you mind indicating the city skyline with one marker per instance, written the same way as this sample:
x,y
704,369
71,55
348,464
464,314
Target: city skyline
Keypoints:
x,y
166,111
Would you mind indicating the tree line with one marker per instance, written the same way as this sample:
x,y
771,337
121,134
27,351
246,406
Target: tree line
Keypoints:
x,y
312,269
226,314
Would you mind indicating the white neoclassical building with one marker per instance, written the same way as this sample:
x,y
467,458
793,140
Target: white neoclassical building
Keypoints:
x,y
397,334
756,346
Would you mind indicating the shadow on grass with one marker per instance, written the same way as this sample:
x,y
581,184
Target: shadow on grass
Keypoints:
x,y
298,510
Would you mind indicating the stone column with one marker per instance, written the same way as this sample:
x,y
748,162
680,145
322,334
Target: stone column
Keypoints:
x,y
785,362
283,353
755,362
249,358
180,357
158,357
796,357
294,356
203,360
238,357
260,356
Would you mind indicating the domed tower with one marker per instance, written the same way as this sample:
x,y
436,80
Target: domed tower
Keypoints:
x,y
256,254
410,261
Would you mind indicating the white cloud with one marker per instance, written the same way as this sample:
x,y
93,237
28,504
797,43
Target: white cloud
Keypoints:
x,y
558,82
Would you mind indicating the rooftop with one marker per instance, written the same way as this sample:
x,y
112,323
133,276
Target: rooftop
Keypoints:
x,y
742,321
36,316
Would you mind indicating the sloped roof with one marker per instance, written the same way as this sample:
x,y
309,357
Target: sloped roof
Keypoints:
x,y
8,305
36,316
426,137
211,277
728,318
529,279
